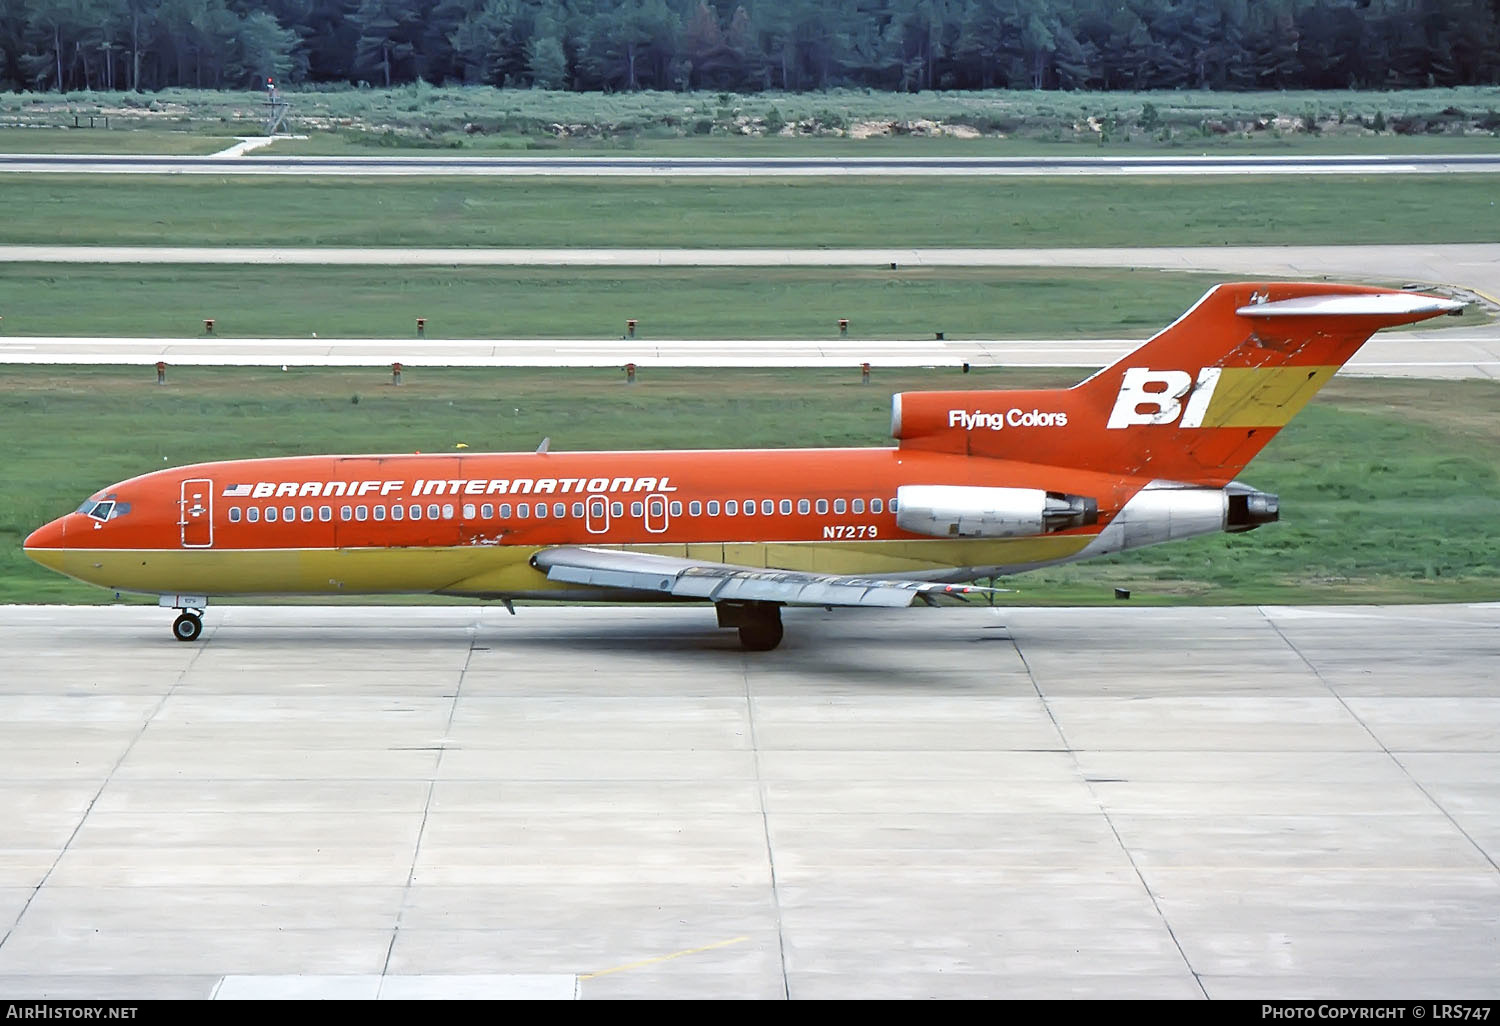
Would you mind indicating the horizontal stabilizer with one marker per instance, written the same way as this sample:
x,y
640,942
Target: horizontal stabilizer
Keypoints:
x,y
1376,304
726,582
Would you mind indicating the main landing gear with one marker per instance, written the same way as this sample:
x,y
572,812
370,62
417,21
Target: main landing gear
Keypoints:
x,y
189,625
759,623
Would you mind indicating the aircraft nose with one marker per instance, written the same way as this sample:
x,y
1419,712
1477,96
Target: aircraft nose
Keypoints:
x,y
44,538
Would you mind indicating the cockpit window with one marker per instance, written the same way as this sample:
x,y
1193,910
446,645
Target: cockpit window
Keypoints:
x,y
104,509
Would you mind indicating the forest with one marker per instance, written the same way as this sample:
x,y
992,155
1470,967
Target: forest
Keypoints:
x,y
750,45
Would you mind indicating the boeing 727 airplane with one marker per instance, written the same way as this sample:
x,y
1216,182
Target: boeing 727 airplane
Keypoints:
x,y
979,484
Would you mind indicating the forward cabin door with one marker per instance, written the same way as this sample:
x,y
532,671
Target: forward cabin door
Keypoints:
x,y
196,513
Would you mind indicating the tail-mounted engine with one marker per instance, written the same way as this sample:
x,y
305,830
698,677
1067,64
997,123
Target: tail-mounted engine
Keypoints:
x,y
955,511
1248,509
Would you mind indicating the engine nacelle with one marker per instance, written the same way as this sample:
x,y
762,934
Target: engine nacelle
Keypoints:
x,y
957,511
1248,508
1164,511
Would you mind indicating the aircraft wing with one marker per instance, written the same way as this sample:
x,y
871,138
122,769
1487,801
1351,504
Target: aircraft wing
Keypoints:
x,y
726,582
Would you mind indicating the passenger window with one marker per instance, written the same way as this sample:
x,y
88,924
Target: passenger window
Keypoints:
x,y
361,512
234,514
253,514
749,507
713,508
487,511
803,506
325,513
875,506
447,510
731,508
636,508
379,512
857,506
468,511
415,512
559,509
398,511
822,505
505,511
892,505
695,508
289,513
676,508
617,509
307,514
541,510
523,510
578,511
767,507
786,507
270,514
839,505
345,513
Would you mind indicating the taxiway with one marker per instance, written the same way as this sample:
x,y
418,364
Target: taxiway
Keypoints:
x,y
1013,802
239,161
1451,354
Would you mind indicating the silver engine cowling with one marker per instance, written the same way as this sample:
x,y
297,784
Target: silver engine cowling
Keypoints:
x,y
1165,511
958,511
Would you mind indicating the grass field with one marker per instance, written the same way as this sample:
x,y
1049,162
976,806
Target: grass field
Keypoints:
x,y
361,302
114,140
648,212
1390,489
420,116
644,144
119,140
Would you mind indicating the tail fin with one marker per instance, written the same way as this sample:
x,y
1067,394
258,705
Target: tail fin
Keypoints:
x,y
1193,404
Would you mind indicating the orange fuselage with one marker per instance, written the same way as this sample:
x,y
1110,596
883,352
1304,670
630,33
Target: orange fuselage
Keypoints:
x,y
467,524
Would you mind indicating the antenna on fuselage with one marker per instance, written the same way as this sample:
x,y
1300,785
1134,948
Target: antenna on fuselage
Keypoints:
x,y
542,449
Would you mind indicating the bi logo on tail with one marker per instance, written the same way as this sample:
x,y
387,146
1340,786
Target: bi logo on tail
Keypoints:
x,y
1156,397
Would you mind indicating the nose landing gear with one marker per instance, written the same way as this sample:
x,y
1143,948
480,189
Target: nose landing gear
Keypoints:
x,y
189,625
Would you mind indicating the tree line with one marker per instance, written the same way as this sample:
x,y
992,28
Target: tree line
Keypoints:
x,y
752,45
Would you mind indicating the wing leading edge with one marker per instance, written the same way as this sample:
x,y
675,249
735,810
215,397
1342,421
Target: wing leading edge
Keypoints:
x,y
726,582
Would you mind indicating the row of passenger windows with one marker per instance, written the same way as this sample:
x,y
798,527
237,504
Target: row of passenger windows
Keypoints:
x,y
541,510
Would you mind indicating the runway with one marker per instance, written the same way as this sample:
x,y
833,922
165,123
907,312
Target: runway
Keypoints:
x,y
1466,265
262,163
1447,262
1458,353
617,802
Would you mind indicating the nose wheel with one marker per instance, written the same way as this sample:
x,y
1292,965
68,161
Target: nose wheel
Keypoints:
x,y
187,627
